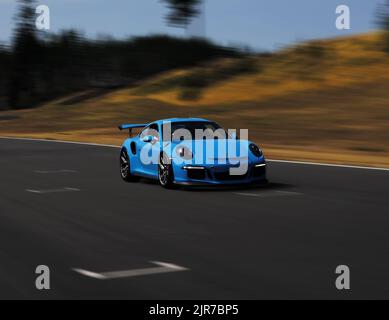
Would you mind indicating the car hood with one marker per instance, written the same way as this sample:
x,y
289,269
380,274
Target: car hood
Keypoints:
x,y
218,149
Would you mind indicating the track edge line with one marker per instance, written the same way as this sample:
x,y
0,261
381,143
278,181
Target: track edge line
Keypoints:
x,y
269,160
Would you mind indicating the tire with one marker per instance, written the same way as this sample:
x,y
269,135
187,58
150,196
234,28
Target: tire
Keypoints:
x,y
165,172
125,167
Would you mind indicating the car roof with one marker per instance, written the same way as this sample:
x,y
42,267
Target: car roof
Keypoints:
x,y
175,120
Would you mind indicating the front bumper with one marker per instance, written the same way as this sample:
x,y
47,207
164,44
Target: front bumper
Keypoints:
x,y
219,175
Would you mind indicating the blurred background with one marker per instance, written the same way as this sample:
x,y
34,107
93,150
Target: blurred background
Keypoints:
x,y
305,89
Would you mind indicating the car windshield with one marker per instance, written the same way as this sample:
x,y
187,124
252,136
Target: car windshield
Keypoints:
x,y
196,129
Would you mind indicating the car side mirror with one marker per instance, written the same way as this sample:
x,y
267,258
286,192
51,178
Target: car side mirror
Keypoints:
x,y
148,139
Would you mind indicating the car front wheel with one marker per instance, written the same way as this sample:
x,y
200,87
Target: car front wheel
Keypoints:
x,y
165,172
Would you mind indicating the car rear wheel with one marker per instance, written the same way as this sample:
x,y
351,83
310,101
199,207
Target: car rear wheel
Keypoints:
x,y
125,167
165,172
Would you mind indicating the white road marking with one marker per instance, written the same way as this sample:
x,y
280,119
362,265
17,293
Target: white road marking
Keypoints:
x,y
90,274
290,193
269,160
270,194
63,141
163,267
53,190
54,171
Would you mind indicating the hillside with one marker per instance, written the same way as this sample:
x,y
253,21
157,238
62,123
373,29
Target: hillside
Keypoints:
x,y
322,101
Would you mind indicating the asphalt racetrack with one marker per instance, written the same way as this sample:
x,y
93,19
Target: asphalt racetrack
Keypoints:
x,y
66,207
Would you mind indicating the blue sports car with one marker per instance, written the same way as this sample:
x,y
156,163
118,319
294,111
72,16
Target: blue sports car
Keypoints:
x,y
190,151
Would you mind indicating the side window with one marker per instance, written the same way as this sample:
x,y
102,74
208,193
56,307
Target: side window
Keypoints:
x,y
154,130
144,132
151,130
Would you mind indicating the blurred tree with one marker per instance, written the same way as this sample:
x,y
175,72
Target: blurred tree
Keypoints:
x,y
383,21
181,12
25,47
5,56
39,67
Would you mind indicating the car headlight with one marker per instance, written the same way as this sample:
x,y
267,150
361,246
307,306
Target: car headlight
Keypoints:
x,y
256,151
184,153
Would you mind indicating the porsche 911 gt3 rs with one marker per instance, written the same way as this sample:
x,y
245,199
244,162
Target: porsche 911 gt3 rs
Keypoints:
x,y
190,151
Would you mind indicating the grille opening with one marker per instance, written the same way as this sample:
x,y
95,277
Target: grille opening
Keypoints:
x,y
196,174
225,176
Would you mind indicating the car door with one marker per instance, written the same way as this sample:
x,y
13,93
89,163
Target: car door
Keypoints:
x,y
149,149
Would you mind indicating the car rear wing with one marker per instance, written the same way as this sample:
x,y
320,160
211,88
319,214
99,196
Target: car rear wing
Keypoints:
x,y
130,127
